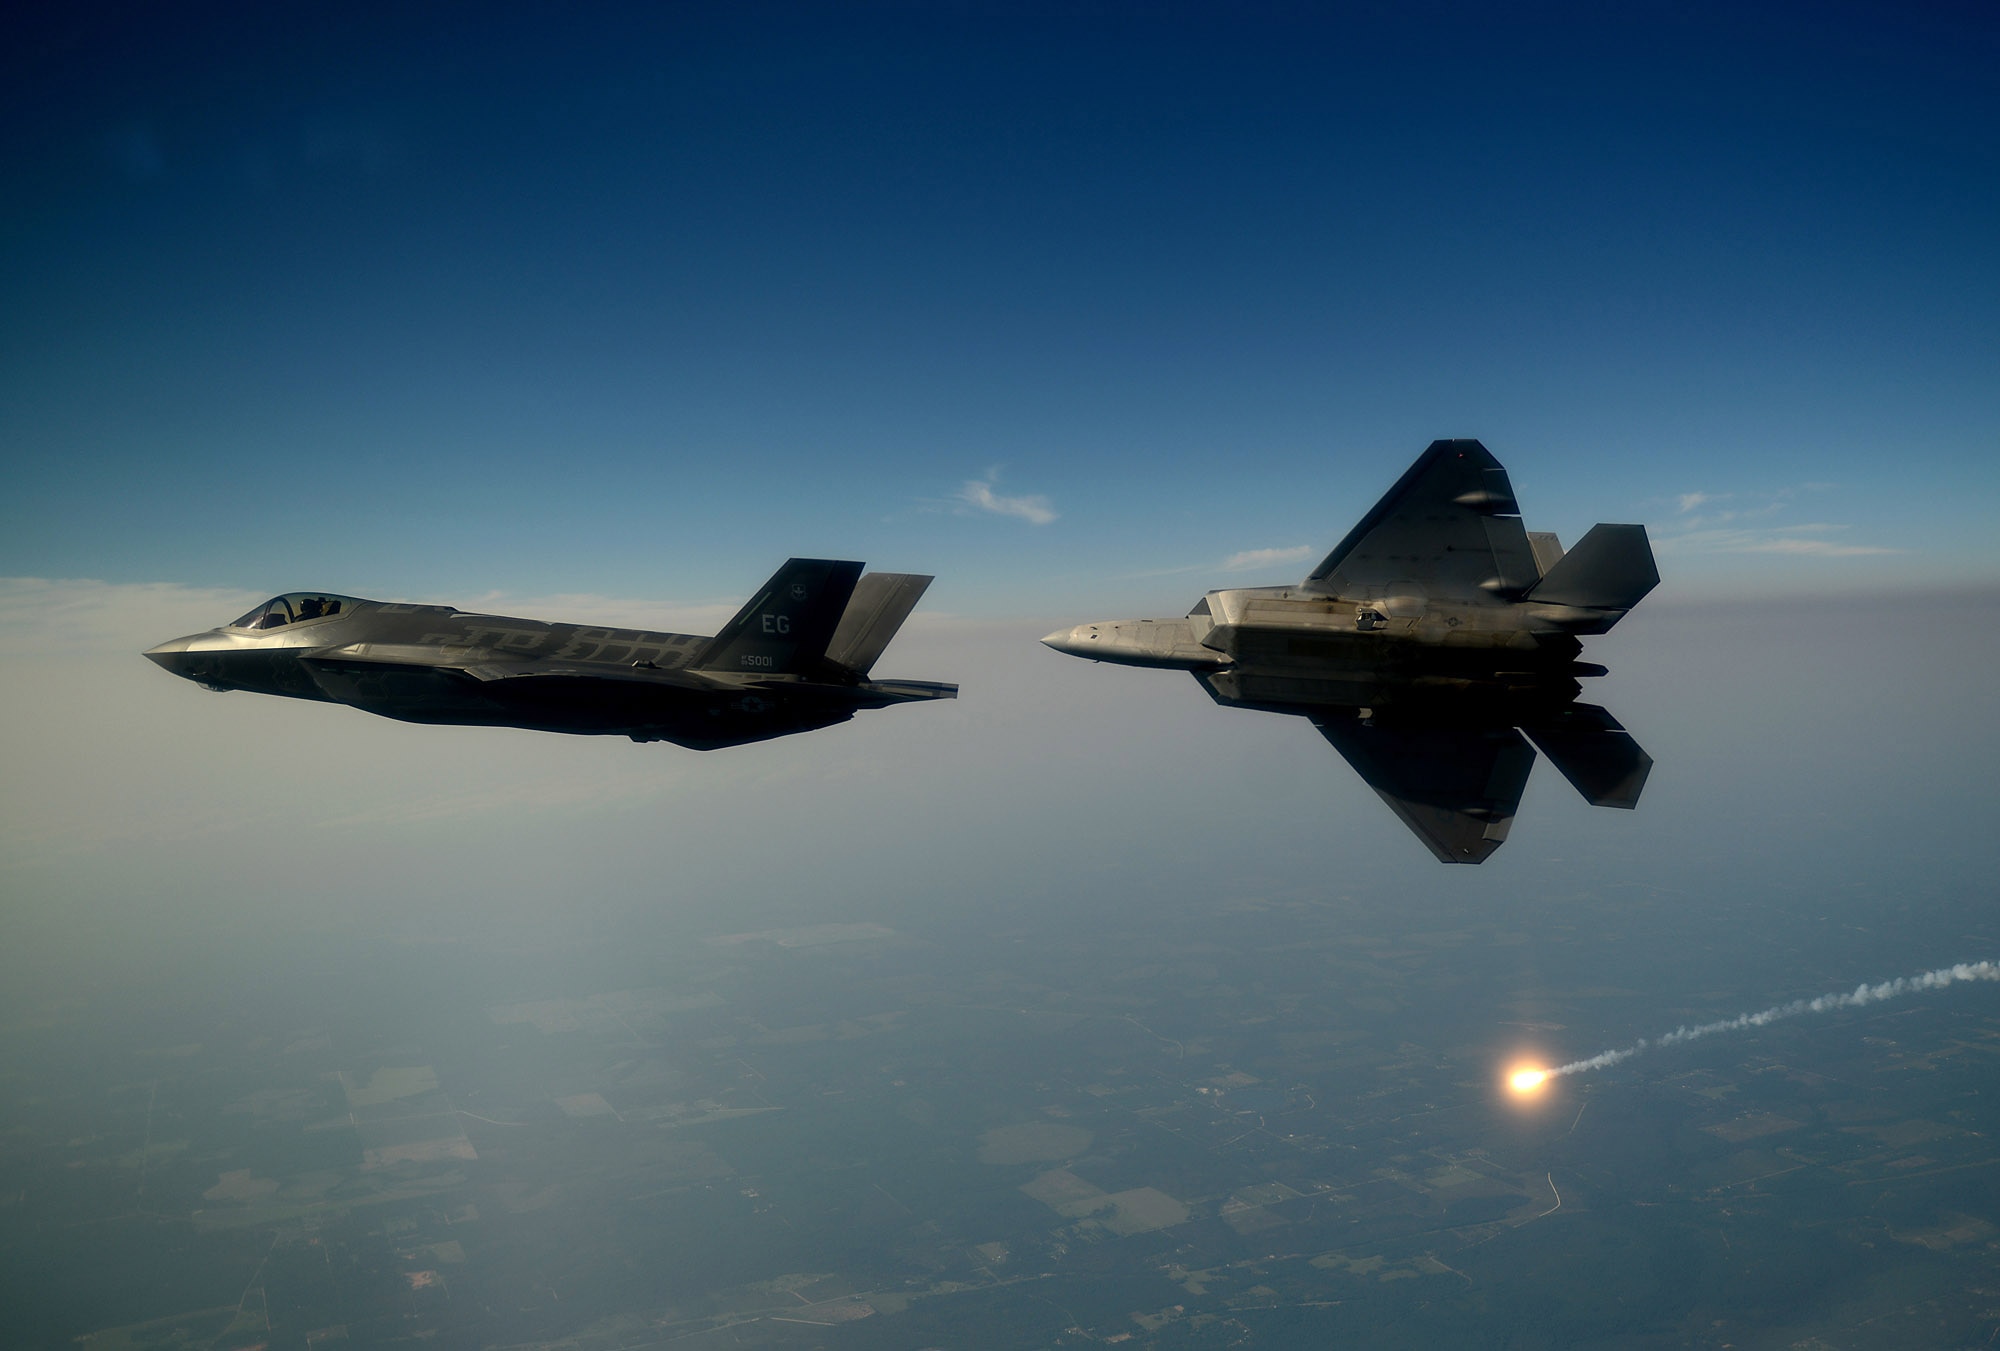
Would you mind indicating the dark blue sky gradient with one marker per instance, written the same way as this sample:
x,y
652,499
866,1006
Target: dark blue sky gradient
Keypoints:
x,y
638,301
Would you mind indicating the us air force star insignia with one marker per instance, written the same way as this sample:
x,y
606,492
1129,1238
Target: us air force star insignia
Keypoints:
x,y
798,590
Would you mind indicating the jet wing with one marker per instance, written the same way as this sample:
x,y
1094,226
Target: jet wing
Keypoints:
x,y
1456,787
494,672
381,675
1448,530
460,661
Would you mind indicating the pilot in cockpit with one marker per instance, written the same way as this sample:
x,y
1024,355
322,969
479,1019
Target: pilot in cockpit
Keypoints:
x,y
293,609
272,614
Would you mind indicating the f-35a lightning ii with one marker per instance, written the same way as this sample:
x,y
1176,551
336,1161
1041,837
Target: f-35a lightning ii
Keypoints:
x,y
1429,640
797,657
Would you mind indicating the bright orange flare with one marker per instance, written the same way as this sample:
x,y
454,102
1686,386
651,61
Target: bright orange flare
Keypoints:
x,y
1527,1080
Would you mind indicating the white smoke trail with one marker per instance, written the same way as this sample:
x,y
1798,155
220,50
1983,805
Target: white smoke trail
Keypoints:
x,y
1859,995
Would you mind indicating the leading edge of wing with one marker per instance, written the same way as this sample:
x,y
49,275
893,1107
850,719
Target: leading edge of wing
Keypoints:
x,y
1450,523
415,657
1455,787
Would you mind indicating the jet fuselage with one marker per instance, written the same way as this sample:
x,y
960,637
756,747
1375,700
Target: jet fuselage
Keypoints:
x,y
1280,645
768,674
1431,637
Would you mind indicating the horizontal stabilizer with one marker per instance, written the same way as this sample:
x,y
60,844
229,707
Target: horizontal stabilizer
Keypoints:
x,y
1611,568
1596,754
878,607
1455,787
786,626
909,691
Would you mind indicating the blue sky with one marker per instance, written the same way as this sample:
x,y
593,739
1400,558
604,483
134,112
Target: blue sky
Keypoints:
x,y
598,312
637,301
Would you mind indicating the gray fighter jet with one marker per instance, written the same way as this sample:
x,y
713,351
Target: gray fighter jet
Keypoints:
x,y
795,658
1429,640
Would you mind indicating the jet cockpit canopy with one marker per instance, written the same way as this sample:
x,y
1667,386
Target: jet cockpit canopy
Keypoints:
x,y
295,608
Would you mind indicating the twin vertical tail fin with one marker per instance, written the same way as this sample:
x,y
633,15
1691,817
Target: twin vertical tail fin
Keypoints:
x,y
881,602
817,617
786,627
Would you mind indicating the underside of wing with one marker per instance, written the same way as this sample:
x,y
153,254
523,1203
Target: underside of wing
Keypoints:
x,y
1455,787
430,684
715,730
1448,530
1595,753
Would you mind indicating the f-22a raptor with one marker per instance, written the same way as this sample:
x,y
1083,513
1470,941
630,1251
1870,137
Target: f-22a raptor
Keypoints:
x,y
1425,644
795,658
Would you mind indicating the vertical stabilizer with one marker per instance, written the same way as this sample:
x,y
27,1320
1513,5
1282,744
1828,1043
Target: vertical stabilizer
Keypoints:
x,y
786,626
880,604
1548,550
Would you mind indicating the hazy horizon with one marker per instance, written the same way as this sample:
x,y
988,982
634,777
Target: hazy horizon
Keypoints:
x,y
1078,1010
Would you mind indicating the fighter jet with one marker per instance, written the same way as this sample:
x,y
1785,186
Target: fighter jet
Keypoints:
x,y
1425,644
797,657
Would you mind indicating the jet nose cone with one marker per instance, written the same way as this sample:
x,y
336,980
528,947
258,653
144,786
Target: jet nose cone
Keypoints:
x,y
172,655
1074,642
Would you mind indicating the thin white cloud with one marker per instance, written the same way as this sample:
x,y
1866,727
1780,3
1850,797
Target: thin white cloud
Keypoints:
x,y
1819,548
1266,558
1719,518
1744,505
1032,508
1747,525
1245,561
1809,540
1167,572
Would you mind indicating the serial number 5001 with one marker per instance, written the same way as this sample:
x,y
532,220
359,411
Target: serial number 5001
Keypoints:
x,y
752,659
